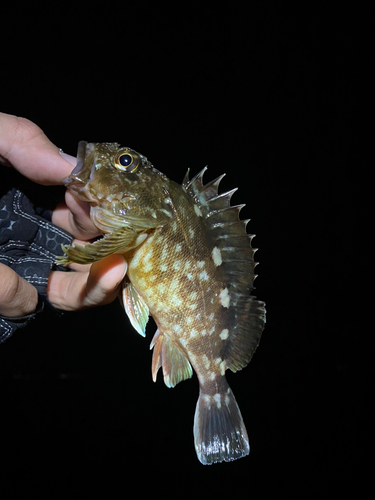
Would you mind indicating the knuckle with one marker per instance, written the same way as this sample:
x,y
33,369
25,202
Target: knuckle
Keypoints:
x,y
10,283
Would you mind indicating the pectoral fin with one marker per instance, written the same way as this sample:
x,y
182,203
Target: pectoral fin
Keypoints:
x,y
135,307
121,240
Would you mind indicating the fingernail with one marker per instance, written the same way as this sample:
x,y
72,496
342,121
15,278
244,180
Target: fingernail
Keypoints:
x,y
71,159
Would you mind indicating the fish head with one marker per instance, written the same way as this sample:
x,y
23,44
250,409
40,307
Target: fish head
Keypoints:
x,y
120,184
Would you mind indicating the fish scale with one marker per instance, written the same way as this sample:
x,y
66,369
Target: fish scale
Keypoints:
x,y
190,266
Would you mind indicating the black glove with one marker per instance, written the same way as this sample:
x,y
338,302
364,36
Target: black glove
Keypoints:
x,y
29,243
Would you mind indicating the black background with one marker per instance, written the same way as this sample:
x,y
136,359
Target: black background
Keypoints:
x,y
268,94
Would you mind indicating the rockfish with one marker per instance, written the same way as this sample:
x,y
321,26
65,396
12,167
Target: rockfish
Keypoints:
x,y
190,266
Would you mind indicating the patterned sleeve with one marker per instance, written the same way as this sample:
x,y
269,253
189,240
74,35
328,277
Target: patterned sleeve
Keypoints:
x,y
29,243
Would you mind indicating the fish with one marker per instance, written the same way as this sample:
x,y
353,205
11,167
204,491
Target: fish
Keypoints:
x,y
190,267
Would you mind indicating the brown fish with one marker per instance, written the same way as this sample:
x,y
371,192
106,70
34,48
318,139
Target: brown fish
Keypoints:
x,y
190,266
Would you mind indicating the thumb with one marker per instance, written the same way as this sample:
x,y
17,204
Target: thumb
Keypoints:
x,y
17,296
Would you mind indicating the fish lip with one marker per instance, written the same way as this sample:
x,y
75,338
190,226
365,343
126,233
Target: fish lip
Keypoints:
x,y
77,181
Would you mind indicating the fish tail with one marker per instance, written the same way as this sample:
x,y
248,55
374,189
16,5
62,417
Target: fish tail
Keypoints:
x,y
219,432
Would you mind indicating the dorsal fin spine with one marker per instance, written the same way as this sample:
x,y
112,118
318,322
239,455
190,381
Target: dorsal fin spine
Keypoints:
x,y
229,234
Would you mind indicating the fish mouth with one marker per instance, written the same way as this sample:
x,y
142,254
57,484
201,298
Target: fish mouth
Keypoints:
x,y
77,181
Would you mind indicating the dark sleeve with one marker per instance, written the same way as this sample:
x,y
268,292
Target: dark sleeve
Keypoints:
x,y
29,243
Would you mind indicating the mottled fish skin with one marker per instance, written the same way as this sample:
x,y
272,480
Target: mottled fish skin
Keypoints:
x,y
191,267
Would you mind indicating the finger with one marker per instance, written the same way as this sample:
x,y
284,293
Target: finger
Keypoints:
x,y
25,146
99,286
74,217
17,296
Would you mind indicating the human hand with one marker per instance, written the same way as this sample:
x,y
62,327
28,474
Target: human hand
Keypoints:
x,y
24,146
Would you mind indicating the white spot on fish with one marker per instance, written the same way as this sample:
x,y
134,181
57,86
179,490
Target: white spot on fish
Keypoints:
x,y
164,267
200,264
204,276
161,288
227,400
177,329
206,361
222,368
189,276
203,332
176,265
189,320
192,306
164,253
216,256
207,399
224,297
212,376
217,361
191,233
212,330
148,255
177,248
176,301
174,284
142,283
217,398
224,334
211,316
147,267
193,333
192,358
198,211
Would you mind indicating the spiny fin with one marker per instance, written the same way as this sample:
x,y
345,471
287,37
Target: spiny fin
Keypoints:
x,y
135,307
229,236
167,355
120,240
219,432
228,231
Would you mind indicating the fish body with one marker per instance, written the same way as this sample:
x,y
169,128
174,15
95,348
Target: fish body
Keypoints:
x,y
190,266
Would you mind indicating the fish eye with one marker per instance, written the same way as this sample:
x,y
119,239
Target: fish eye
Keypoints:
x,y
126,161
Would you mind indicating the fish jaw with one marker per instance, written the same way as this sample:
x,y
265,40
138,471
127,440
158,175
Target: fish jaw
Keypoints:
x,y
77,181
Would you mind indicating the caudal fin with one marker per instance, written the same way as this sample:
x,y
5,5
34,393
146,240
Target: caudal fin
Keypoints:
x,y
219,432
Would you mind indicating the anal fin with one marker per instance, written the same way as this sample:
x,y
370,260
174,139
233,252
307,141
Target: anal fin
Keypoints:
x,y
167,355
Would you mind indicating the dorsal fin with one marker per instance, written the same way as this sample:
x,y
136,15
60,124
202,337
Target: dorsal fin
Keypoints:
x,y
229,235
227,230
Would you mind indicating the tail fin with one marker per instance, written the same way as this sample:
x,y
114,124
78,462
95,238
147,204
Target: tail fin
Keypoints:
x,y
219,432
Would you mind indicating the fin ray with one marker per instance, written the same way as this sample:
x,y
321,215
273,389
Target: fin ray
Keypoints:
x,y
250,317
135,307
174,363
229,235
111,243
219,432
